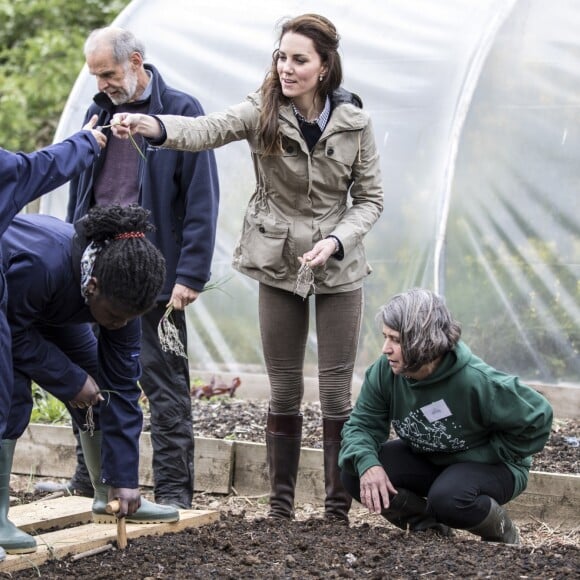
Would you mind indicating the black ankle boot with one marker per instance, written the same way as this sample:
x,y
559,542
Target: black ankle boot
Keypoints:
x,y
407,510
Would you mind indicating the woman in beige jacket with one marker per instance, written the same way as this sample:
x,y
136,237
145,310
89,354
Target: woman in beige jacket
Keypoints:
x,y
318,194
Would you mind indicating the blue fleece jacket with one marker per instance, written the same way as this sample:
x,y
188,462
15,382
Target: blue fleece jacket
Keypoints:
x,y
23,178
48,318
26,176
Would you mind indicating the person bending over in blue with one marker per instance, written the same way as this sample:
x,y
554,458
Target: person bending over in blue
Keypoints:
x,y
61,279
23,178
466,431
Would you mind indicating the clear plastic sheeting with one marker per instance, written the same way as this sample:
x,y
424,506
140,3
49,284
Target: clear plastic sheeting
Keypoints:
x,y
476,108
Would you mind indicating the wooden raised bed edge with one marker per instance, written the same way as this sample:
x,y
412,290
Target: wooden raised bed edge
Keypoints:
x,y
222,466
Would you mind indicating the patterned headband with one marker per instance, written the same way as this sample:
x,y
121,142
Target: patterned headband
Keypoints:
x,y
87,264
129,235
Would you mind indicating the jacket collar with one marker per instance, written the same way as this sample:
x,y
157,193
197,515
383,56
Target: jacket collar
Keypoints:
x,y
340,96
347,114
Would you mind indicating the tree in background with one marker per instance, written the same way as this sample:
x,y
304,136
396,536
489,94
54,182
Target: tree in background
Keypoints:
x,y
41,55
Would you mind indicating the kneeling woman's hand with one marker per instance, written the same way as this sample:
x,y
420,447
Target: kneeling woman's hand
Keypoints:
x,y
375,487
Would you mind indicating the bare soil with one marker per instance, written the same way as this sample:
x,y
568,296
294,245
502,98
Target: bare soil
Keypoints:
x,y
244,544
243,420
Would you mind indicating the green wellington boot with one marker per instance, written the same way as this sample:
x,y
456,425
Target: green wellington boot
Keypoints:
x,y
13,540
497,526
148,513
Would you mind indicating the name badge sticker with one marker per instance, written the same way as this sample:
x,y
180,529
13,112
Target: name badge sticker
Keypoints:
x,y
436,411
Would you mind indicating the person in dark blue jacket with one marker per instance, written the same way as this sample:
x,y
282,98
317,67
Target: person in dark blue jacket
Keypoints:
x,y
61,280
181,191
23,178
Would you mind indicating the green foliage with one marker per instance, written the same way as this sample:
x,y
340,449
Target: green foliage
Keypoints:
x,y
41,54
47,409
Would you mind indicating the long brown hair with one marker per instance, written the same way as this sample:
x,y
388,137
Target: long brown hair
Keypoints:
x,y
325,39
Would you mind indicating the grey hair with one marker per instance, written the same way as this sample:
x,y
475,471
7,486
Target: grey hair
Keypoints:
x,y
426,327
122,42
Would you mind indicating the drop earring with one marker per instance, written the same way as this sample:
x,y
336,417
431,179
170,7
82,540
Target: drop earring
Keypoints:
x,y
320,78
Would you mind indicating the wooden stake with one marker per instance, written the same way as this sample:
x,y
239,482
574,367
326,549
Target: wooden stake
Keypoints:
x,y
112,508
92,552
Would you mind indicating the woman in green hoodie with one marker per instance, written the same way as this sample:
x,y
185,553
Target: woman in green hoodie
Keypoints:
x,y
466,431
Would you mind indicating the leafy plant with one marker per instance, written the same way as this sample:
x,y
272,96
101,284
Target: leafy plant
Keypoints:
x,y
47,409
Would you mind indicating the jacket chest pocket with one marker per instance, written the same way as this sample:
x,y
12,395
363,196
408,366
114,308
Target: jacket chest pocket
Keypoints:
x,y
342,148
287,170
289,148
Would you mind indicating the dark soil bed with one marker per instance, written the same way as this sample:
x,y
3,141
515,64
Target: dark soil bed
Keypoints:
x,y
237,547
244,544
243,420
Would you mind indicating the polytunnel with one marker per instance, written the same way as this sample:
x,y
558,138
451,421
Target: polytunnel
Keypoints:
x,y
476,109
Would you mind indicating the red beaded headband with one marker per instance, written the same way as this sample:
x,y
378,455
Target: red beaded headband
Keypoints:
x,y
129,235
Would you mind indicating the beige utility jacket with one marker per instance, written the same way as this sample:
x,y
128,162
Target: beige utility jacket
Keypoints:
x,y
300,196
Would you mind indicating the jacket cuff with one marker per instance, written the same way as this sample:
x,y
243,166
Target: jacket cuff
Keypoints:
x,y
339,253
365,463
193,283
158,142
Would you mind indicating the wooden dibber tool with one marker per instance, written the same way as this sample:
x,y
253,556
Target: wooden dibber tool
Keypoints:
x,y
112,508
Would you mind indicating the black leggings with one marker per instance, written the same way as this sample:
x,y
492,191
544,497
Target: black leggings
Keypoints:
x,y
457,495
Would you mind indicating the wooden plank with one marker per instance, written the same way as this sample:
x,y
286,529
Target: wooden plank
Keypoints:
x,y
49,451
61,543
52,513
310,481
552,498
45,450
213,464
220,464
251,471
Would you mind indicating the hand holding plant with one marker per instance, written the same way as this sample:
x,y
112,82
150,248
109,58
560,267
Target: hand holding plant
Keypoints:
x,y
126,125
123,132
167,331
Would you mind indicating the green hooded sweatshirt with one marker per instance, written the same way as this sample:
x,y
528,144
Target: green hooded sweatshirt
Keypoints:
x,y
466,411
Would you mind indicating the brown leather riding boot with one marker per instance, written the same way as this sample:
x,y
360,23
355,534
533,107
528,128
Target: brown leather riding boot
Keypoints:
x,y
283,439
338,501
